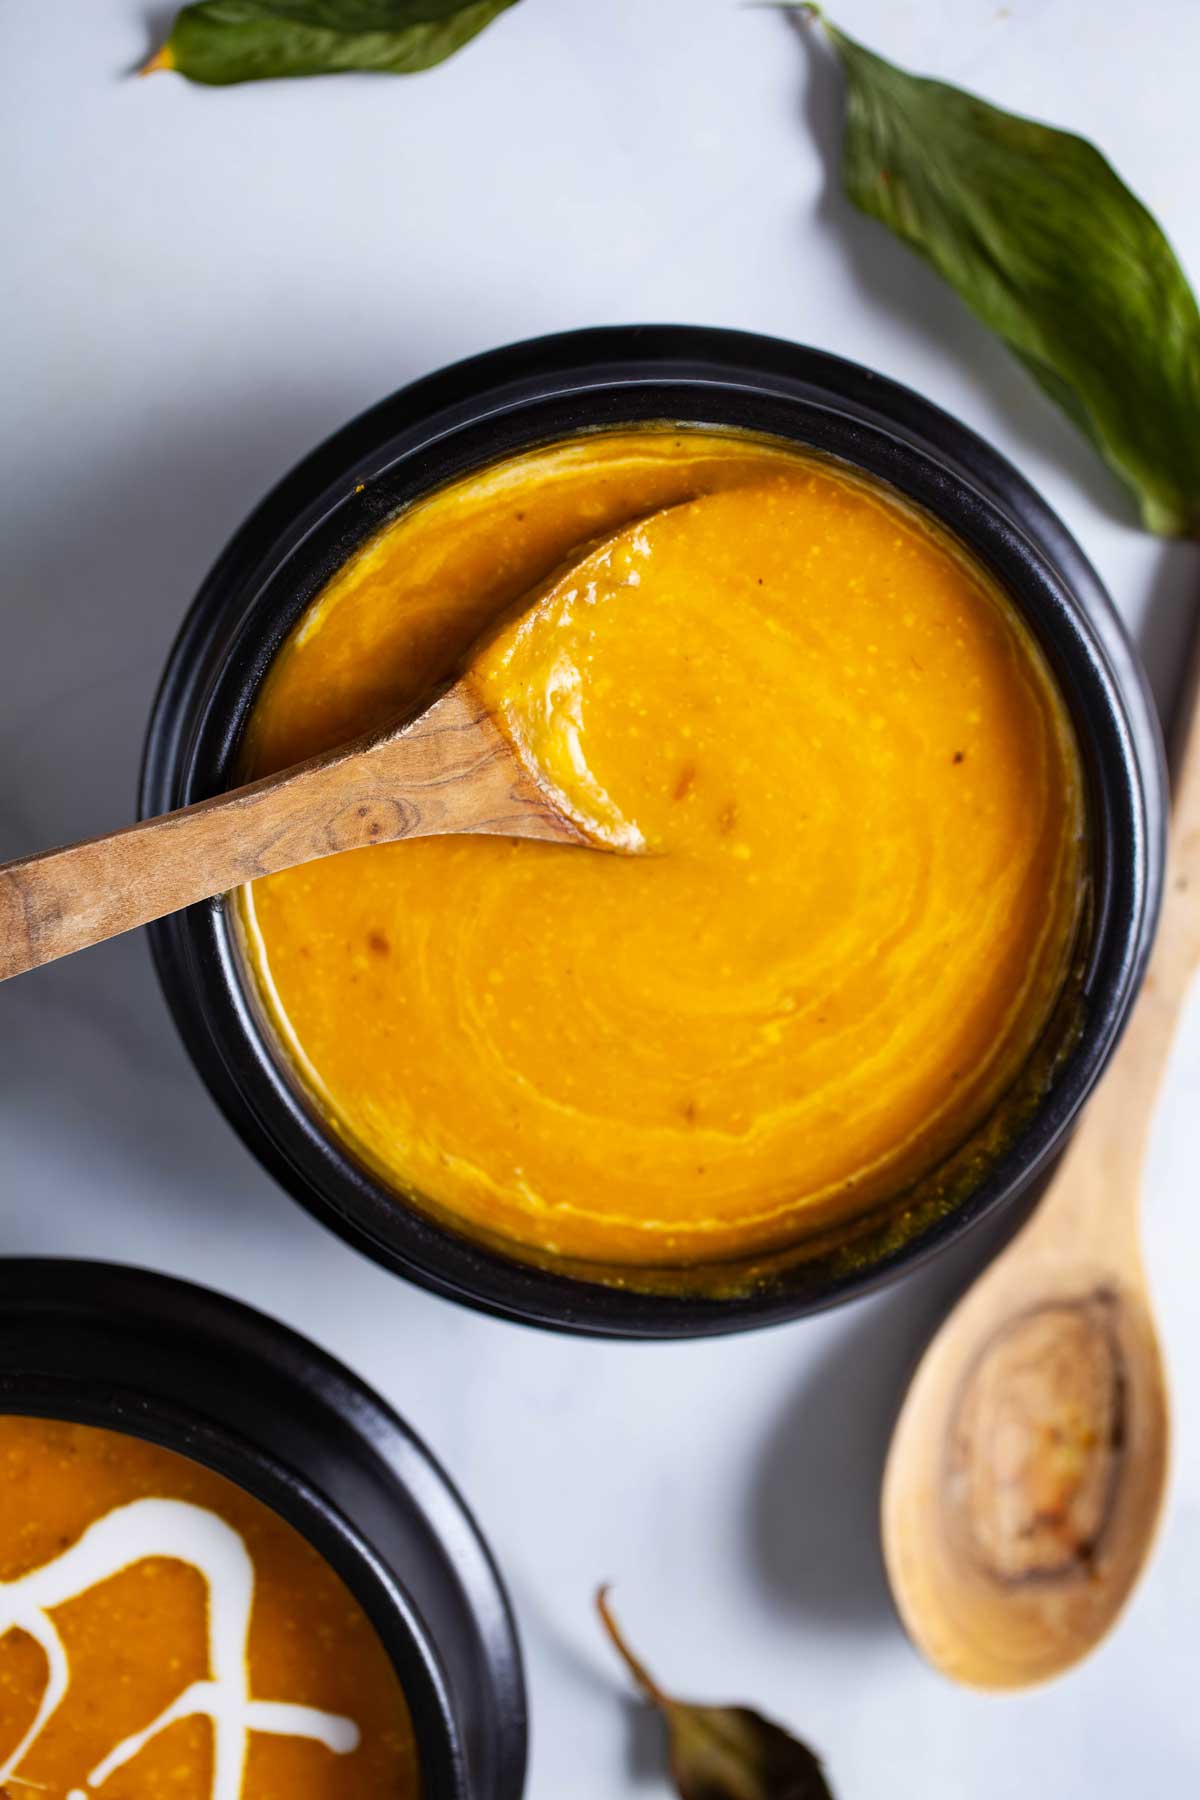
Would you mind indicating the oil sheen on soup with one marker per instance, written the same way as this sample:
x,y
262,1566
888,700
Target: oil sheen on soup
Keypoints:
x,y
850,801
165,1636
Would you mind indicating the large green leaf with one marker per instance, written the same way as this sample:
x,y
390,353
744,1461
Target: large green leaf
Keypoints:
x,y
1047,245
362,15
223,41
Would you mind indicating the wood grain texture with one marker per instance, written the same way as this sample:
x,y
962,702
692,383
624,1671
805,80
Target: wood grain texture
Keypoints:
x,y
450,769
1027,1471
1097,1192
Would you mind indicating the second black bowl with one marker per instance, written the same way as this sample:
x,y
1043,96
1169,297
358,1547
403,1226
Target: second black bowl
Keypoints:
x,y
155,1358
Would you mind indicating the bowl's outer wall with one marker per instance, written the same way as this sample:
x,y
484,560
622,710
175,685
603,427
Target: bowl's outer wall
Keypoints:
x,y
160,1358
495,404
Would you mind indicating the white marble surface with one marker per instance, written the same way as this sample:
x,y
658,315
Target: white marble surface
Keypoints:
x,y
196,287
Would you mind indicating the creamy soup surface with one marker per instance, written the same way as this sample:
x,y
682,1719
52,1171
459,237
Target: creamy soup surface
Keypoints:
x,y
165,1636
854,802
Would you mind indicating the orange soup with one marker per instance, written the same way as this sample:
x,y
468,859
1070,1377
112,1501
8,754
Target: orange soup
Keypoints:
x,y
851,799
165,1636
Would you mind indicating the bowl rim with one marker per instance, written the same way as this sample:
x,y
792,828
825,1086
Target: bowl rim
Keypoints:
x,y
489,405
151,1356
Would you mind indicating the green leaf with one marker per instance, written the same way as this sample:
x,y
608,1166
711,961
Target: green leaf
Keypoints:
x,y
1047,245
223,41
724,1752
361,15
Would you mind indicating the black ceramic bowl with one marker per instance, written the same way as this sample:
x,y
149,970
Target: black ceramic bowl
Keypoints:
x,y
161,1359
500,403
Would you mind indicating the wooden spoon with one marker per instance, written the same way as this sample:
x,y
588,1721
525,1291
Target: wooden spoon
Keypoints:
x,y
1027,1470
448,769
451,767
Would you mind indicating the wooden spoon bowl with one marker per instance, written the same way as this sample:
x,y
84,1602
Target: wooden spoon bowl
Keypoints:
x,y
1028,1468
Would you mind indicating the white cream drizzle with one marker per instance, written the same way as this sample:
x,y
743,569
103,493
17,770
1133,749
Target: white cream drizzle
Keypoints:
x,y
190,1534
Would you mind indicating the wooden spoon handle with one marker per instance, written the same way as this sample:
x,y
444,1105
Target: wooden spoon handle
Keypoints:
x,y
449,770
1097,1191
